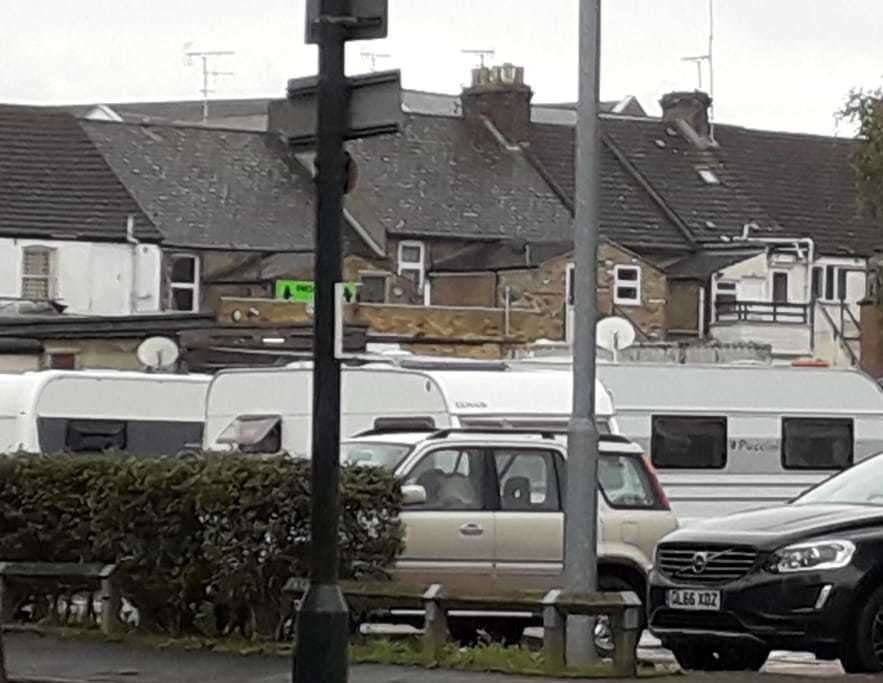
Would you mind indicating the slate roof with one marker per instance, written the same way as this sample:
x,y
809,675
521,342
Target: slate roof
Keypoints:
x,y
54,183
789,185
805,182
210,188
450,178
703,264
629,215
495,256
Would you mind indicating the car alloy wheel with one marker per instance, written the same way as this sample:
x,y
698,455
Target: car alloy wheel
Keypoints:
x,y
863,654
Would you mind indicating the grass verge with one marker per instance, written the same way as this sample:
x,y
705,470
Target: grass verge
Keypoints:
x,y
407,652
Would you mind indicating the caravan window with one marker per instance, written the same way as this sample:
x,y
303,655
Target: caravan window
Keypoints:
x,y
95,436
254,434
688,443
817,443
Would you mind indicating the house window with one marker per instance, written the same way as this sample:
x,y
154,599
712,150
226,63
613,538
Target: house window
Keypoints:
x,y
780,288
627,285
817,443
835,283
725,298
818,282
412,262
686,442
373,288
37,273
184,283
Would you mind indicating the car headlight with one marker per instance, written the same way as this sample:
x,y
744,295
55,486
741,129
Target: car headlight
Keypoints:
x,y
812,556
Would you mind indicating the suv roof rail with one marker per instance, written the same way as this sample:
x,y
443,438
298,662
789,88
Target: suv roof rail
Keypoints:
x,y
448,431
544,433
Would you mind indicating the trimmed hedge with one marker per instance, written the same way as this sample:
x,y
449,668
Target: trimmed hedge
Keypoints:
x,y
191,533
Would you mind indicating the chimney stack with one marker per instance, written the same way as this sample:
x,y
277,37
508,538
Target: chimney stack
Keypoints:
x,y
690,108
500,94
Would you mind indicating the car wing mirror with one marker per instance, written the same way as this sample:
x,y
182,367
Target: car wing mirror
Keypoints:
x,y
413,494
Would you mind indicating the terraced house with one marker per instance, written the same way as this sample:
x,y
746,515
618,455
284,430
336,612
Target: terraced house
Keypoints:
x,y
709,232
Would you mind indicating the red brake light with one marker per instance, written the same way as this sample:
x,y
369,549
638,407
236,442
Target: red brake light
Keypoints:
x,y
657,486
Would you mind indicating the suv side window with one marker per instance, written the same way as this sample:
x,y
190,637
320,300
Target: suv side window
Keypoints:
x,y
454,479
528,480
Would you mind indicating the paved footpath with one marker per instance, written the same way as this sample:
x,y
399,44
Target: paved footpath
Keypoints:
x,y
33,657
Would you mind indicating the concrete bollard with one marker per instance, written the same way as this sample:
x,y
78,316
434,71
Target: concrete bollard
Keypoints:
x,y
435,634
554,633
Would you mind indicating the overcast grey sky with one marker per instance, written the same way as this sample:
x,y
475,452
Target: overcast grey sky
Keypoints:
x,y
779,64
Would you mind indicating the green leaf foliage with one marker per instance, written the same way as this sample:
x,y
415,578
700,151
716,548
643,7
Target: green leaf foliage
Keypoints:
x,y
192,533
865,109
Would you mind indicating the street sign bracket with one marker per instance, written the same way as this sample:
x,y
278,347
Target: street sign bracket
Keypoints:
x,y
363,20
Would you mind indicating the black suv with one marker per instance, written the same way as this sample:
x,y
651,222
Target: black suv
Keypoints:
x,y
806,576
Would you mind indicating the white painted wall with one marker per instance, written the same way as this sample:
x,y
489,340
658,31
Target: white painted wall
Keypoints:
x,y
91,277
754,282
754,277
786,340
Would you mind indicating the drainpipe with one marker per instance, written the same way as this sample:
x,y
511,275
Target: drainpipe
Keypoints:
x,y
131,239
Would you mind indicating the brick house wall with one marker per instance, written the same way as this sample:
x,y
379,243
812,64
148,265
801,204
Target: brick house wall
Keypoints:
x,y
545,289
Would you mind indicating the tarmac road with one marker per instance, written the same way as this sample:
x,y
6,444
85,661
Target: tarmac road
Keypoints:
x,y
46,658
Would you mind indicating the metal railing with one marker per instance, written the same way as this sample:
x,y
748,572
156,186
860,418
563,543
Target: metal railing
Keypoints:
x,y
840,333
763,312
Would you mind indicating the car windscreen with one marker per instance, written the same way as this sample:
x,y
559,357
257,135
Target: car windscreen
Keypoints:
x,y
386,455
861,484
625,482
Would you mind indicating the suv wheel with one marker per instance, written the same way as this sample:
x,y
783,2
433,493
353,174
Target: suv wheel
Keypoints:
x,y
865,653
705,656
608,583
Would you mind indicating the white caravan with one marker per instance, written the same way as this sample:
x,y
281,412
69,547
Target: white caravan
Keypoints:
x,y
731,437
95,410
270,410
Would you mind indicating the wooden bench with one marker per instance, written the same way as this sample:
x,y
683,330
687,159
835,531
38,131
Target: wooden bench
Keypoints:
x,y
623,609
14,574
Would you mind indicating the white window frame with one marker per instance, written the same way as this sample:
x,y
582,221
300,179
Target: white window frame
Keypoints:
x,y
49,277
716,291
569,282
631,284
191,286
411,266
835,270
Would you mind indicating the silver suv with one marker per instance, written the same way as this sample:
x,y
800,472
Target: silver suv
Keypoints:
x,y
483,509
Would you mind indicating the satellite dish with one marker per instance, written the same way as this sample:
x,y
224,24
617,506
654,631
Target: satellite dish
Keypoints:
x,y
158,352
614,334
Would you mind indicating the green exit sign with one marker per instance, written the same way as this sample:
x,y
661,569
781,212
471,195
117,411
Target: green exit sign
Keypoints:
x,y
304,291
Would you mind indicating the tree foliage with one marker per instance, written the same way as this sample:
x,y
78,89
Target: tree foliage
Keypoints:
x,y
864,108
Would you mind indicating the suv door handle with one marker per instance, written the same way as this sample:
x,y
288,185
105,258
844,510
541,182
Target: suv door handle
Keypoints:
x,y
471,529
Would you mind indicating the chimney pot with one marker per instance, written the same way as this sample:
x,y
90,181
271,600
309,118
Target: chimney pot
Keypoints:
x,y
500,94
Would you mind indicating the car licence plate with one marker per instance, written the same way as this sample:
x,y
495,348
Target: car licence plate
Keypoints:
x,y
694,599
